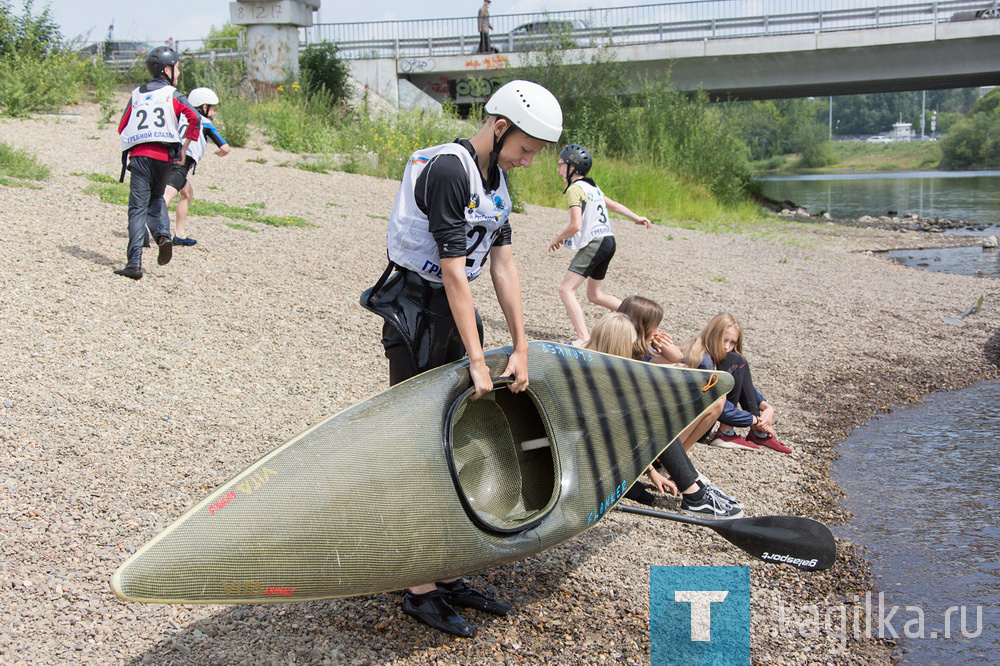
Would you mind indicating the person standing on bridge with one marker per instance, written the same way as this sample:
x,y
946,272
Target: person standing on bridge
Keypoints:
x,y
484,28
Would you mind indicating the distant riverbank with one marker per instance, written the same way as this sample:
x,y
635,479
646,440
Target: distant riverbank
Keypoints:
x,y
861,157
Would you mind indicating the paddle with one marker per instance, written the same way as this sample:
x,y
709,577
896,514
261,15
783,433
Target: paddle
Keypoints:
x,y
800,542
973,309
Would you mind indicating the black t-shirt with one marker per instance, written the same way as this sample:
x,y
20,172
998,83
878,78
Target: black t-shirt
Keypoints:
x,y
442,193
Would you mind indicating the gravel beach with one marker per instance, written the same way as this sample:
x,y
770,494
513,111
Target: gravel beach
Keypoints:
x,y
123,403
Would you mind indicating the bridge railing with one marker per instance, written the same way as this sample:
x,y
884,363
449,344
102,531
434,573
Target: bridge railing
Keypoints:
x,y
638,24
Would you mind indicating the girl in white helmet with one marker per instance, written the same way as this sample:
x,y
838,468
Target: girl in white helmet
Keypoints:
x,y
449,218
204,101
589,233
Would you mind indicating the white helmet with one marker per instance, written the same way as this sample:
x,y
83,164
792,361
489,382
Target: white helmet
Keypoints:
x,y
202,96
529,107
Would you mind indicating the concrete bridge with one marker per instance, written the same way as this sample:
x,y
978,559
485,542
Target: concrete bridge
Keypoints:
x,y
808,48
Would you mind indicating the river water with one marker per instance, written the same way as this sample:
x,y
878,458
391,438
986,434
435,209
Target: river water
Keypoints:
x,y
921,482
922,485
958,195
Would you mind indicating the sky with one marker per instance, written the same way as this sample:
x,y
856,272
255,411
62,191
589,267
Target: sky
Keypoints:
x,y
192,19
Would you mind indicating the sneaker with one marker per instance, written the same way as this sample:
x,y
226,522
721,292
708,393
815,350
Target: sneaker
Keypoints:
x,y
733,441
458,593
166,250
768,440
184,241
434,611
711,505
726,496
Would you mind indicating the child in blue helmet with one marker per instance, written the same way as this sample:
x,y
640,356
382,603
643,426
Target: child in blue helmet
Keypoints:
x,y
589,233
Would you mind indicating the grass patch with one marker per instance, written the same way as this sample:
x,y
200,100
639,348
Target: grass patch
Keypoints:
x,y
202,207
648,190
258,160
241,227
117,193
307,166
21,165
111,193
377,217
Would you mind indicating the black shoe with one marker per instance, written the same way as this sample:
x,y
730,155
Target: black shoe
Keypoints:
x,y
134,273
458,593
638,493
434,611
166,250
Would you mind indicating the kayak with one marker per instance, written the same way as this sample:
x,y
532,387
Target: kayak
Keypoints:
x,y
419,483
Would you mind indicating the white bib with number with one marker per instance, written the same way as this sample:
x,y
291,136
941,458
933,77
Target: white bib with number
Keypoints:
x,y
595,217
409,240
152,119
196,149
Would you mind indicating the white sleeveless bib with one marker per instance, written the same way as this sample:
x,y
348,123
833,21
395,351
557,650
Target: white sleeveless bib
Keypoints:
x,y
595,217
152,119
409,240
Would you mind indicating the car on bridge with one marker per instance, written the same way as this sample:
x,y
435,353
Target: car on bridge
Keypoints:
x,y
539,35
879,139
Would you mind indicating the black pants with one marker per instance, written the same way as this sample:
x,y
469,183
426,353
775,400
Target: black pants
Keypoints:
x,y
419,332
484,42
743,394
146,208
679,466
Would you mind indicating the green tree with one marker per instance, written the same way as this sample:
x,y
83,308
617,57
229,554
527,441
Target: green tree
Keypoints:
x,y
225,38
974,142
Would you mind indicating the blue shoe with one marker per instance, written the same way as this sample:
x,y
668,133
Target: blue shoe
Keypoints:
x,y
184,241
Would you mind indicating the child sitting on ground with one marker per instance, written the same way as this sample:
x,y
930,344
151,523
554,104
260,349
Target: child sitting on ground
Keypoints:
x,y
720,347
589,233
615,334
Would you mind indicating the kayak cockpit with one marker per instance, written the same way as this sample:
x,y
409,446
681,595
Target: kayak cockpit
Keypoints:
x,y
501,458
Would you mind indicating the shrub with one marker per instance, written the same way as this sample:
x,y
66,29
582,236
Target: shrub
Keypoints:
x,y
323,70
17,163
29,84
27,35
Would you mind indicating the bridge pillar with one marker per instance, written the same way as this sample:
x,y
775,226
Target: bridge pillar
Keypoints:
x,y
272,35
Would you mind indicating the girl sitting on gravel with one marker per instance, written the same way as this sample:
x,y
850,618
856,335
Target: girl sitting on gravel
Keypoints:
x,y
657,347
719,346
615,334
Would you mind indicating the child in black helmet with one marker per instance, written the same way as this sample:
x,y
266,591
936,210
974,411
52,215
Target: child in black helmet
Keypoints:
x,y
589,233
151,141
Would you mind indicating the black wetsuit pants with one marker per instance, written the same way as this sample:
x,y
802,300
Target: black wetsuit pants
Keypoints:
x,y
146,207
422,333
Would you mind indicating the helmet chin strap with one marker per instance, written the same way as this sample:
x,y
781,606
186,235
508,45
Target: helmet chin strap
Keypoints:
x,y
498,145
570,172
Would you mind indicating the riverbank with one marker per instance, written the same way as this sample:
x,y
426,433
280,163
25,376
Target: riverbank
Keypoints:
x,y
861,157
123,403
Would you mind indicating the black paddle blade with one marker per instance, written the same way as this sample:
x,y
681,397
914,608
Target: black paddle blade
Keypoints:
x,y
801,542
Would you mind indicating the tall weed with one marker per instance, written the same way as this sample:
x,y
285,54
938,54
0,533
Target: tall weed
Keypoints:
x,y
29,84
